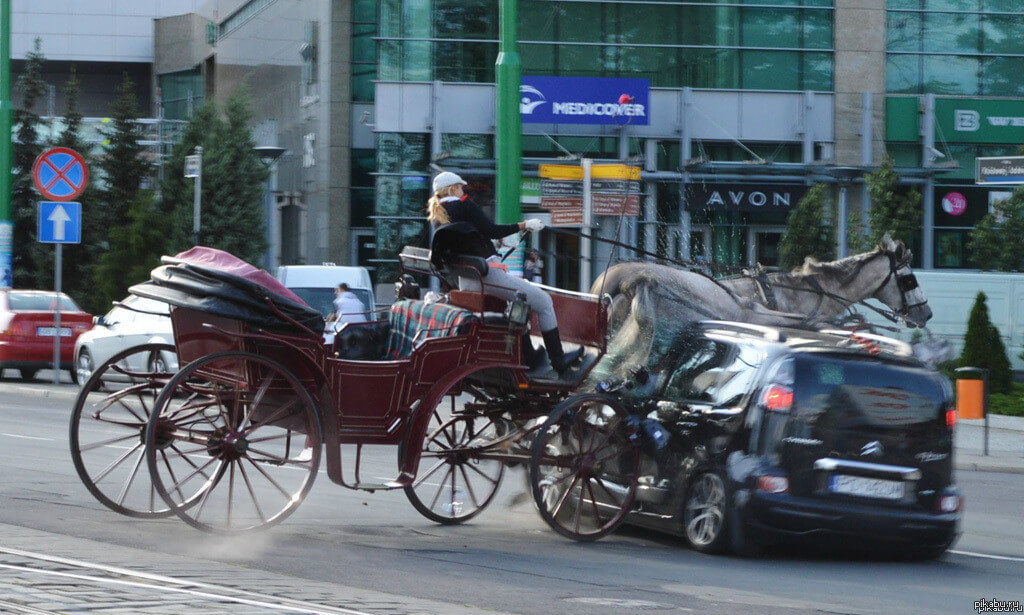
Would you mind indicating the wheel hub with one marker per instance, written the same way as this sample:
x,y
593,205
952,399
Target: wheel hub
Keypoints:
x,y
229,446
164,435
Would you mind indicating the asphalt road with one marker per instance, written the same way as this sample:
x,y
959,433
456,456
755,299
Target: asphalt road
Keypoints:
x,y
507,559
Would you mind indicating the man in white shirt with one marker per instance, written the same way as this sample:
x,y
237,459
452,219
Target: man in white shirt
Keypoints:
x,y
347,307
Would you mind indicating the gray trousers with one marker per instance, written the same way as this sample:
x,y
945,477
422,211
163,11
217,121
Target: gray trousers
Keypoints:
x,y
501,284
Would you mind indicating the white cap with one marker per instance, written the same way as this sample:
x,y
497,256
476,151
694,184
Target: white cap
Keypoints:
x,y
445,179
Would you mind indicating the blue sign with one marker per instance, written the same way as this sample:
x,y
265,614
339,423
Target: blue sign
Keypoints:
x,y
59,222
584,100
6,243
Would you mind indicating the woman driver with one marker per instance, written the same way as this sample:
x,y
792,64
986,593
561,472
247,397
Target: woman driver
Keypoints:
x,y
450,204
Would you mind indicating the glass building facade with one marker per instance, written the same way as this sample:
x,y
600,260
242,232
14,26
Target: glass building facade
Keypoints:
x,y
966,50
779,45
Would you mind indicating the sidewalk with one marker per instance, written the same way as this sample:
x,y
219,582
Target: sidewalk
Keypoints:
x,y
1006,433
1005,444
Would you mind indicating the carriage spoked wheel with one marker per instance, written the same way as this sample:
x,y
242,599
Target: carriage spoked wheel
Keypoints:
x,y
108,425
456,480
232,427
584,467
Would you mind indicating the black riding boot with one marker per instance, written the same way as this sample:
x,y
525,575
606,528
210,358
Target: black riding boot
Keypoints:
x,y
560,361
533,357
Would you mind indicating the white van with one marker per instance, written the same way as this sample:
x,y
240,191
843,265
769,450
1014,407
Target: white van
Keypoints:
x,y
315,284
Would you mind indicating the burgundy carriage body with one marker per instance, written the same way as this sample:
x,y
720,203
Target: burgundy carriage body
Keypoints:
x,y
376,401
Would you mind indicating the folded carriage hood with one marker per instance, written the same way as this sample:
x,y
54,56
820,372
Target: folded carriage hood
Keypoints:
x,y
219,283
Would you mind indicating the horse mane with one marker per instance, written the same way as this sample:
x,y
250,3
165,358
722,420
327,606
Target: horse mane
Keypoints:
x,y
840,268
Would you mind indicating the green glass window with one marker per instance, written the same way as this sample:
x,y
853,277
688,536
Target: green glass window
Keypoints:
x,y
903,74
951,32
465,61
466,19
954,46
474,147
770,28
1002,76
903,31
771,70
364,11
950,74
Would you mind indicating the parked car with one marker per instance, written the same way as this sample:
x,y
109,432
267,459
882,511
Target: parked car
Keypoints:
x,y
132,322
315,284
759,435
27,330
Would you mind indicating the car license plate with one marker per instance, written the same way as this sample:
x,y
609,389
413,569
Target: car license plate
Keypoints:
x,y
867,487
49,331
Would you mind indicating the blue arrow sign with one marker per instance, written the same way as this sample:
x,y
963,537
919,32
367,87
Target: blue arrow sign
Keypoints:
x,y
59,222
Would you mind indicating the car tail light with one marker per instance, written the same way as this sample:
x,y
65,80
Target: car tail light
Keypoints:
x,y
948,503
777,398
773,484
950,417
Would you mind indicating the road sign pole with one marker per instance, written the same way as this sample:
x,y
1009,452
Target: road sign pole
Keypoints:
x,y
57,283
588,220
6,145
196,202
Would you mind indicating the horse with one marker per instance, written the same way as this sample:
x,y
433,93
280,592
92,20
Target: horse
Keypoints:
x,y
652,302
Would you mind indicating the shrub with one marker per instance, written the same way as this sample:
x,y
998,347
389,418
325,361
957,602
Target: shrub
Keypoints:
x,y
984,348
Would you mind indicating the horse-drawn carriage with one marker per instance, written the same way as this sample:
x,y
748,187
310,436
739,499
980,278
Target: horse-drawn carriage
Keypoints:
x,y
233,440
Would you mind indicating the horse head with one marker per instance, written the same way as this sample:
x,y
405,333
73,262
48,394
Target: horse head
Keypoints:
x,y
900,290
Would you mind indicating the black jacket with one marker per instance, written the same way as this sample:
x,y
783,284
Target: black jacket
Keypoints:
x,y
465,210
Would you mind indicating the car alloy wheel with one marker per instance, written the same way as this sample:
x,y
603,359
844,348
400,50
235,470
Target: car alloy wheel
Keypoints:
x,y
704,512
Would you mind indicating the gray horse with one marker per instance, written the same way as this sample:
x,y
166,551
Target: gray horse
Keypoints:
x,y
651,302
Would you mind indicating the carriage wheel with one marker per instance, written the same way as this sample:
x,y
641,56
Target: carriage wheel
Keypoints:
x,y
456,481
584,467
232,427
108,423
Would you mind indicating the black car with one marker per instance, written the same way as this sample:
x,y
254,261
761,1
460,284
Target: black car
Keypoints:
x,y
759,435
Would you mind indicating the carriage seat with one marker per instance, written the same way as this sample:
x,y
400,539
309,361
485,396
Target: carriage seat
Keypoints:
x,y
409,323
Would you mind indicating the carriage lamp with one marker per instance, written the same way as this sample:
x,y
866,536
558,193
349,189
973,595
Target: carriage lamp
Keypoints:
x,y
518,311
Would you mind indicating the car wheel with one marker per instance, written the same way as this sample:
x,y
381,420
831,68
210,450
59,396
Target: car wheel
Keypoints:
x,y
28,374
704,513
83,366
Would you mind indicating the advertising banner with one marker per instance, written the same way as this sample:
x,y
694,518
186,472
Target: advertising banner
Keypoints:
x,y
584,100
743,197
963,120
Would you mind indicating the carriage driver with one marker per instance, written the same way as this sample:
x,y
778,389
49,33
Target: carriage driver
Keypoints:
x,y
448,205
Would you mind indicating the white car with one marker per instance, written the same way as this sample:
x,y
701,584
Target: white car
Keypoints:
x,y
132,322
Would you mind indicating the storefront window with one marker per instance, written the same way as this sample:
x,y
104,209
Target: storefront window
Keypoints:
x,y
401,191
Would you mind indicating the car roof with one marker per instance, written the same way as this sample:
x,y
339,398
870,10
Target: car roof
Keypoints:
x,y
811,340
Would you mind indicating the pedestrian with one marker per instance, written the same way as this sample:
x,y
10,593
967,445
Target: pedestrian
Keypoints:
x,y
450,205
533,267
347,307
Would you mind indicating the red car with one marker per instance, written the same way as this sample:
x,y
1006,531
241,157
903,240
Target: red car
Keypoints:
x,y
27,330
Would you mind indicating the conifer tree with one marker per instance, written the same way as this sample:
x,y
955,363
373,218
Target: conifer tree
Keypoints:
x,y
125,163
808,232
983,347
135,247
894,209
232,197
80,259
995,242
29,261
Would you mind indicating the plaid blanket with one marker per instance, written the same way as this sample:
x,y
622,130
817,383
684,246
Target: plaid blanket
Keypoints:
x,y
414,321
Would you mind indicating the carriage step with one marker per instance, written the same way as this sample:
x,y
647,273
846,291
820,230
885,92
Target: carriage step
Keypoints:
x,y
401,482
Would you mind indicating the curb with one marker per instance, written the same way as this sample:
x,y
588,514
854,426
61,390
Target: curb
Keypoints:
x,y
974,466
69,391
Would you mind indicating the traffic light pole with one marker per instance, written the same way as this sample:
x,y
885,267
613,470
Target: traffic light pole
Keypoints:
x,y
6,145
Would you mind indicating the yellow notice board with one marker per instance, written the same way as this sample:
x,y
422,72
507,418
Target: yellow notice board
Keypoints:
x,y
597,171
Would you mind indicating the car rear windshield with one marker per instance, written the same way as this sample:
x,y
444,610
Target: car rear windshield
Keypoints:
x,y
36,302
322,299
868,392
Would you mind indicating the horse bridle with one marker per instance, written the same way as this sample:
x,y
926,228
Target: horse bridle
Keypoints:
x,y
905,282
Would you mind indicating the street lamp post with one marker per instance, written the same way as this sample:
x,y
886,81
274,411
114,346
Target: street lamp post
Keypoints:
x,y
268,156
194,168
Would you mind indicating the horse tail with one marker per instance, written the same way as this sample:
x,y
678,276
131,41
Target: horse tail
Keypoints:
x,y
632,341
